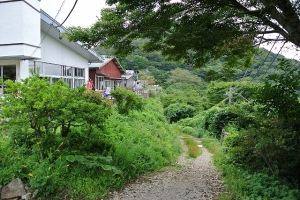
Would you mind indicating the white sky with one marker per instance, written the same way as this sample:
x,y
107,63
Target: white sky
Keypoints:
x,y
86,12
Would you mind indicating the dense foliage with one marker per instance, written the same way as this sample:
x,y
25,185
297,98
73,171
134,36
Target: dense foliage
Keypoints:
x,y
196,31
260,155
71,143
279,95
126,100
177,111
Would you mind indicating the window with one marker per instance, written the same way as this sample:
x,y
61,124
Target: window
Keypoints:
x,y
112,84
67,71
53,79
31,67
79,72
99,85
73,76
69,81
78,82
38,67
107,84
51,69
6,73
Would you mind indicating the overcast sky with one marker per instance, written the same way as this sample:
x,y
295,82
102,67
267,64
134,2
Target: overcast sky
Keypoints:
x,y
86,12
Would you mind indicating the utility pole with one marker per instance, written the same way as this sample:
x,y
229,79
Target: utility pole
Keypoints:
x,y
230,99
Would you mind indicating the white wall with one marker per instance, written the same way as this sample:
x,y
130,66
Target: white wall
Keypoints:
x,y
55,52
19,25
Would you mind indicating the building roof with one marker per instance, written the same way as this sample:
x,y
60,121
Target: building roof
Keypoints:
x,y
107,60
129,74
51,27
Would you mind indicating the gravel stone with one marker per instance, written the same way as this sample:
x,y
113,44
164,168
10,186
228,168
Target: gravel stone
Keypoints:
x,y
194,179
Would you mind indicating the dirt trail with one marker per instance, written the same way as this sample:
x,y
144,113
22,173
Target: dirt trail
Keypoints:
x,y
194,179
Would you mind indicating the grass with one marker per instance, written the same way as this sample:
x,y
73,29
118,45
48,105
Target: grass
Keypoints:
x,y
193,150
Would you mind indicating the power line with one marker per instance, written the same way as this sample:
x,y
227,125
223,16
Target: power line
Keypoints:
x,y
264,61
252,70
59,9
268,66
272,62
49,27
239,94
68,14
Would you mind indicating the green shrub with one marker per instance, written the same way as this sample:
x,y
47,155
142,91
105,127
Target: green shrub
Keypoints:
x,y
47,113
141,141
88,166
190,131
266,149
126,100
177,111
216,92
279,95
197,123
244,184
239,115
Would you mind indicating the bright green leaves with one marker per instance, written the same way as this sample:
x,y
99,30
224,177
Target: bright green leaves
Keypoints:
x,y
93,162
48,109
127,100
178,111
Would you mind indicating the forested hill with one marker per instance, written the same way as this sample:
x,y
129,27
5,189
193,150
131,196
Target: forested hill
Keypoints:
x,y
264,63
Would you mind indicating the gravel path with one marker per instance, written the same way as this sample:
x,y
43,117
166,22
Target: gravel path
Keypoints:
x,y
192,179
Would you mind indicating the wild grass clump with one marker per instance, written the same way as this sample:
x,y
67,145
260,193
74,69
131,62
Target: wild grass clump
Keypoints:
x,y
193,150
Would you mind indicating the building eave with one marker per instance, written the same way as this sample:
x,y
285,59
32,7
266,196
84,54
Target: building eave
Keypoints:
x,y
51,27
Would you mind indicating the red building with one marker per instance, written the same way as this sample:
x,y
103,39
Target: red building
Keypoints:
x,y
106,75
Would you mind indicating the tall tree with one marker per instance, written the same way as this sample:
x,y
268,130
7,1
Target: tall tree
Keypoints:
x,y
193,30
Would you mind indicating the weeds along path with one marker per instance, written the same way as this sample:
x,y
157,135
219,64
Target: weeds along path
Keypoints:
x,y
189,179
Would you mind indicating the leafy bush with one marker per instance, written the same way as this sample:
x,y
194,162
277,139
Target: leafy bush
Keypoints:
x,y
142,141
267,149
72,167
42,110
183,93
177,111
197,123
244,184
239,115
126,100
189,130
279,95
216,92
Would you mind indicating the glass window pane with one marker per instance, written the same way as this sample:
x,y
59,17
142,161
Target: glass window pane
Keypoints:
x,y
78,82
69,81
51,69
99,83
31,66
39,67
79,72
67,71
53,80
107,84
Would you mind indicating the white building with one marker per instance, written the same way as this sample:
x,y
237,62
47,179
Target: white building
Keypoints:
x,y
31,39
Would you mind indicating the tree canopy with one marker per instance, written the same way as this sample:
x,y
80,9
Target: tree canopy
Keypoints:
x,y
195,31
